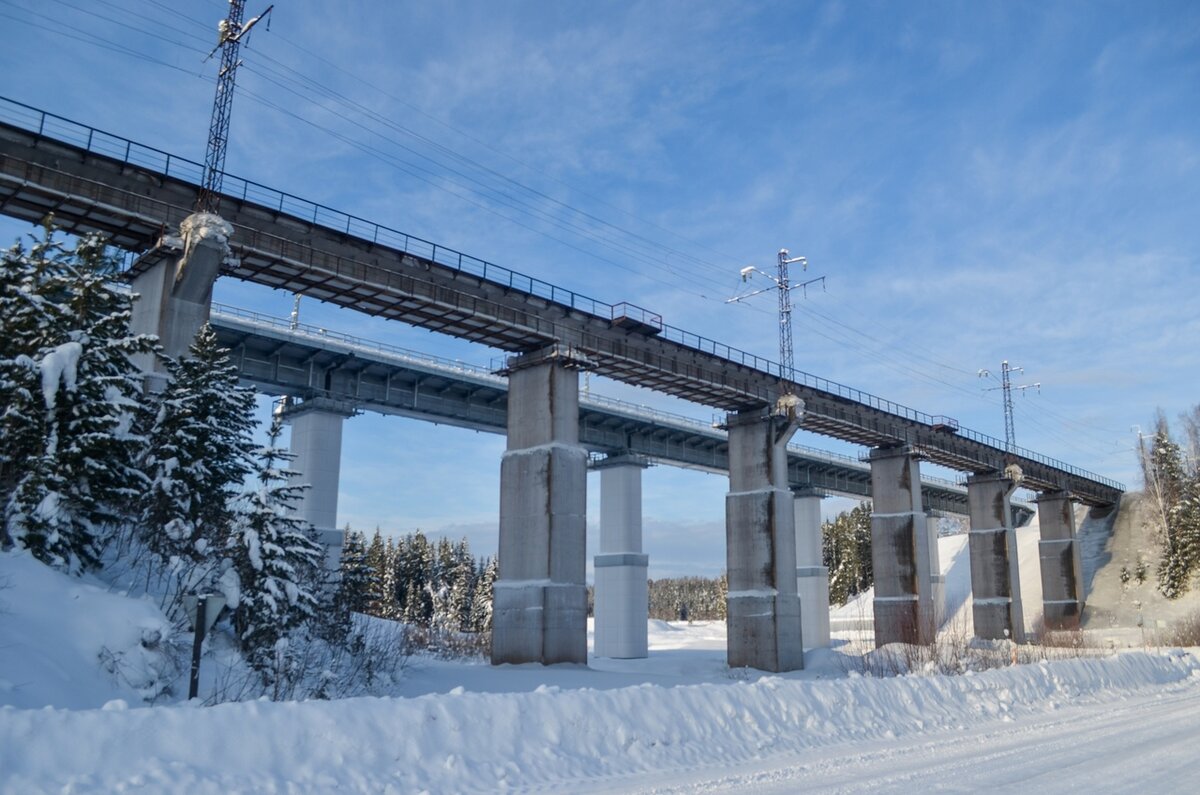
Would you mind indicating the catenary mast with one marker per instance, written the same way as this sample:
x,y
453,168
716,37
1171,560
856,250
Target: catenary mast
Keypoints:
x,y
231,31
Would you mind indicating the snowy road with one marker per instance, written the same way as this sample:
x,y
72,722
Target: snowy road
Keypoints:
x,y
1147,743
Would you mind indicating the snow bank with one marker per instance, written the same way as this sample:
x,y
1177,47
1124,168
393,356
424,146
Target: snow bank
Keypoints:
x,y
70,643
487,742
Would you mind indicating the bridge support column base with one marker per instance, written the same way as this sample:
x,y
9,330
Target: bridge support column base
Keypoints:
x,y
995,577
1061,567
763,607
540,612
622,593
812,577
903,556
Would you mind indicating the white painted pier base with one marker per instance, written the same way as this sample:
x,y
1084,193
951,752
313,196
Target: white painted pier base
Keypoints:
x,y
995,578
317,446
937,602
900,550
812,577
540,606
622,593
763,609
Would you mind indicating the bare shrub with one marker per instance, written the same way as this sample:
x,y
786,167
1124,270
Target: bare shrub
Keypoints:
x,y
449,645
956,652
1185,632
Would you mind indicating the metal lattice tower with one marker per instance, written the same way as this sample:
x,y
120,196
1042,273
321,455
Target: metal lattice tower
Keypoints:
x,y
787,367
231,32
1010,437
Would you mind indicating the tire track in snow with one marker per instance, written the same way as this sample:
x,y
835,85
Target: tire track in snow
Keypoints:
x,y
1086,747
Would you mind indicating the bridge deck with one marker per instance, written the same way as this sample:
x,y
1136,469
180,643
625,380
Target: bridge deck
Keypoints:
x,y
93,181
278,358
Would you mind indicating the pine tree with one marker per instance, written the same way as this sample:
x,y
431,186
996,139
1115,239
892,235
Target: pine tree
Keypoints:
x,y
846,552
71,396
359,582
462,586
481,604
415,566
1176,493
198,453
277,559
352,592
388,606
378,562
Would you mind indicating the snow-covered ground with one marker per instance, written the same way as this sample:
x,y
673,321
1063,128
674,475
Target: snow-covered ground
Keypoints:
x,y
679,721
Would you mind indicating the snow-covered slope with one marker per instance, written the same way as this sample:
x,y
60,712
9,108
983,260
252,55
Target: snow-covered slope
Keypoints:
x,y
68,642
955,560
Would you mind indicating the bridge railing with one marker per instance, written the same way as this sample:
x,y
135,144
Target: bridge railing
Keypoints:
x,y
60,128
319,334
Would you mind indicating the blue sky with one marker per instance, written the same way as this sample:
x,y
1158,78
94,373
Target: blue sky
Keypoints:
x,y
976,181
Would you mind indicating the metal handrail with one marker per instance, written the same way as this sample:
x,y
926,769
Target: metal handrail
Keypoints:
x,y
319,334
108,144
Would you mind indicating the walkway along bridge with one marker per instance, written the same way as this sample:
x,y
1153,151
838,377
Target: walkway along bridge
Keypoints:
x,y
94,181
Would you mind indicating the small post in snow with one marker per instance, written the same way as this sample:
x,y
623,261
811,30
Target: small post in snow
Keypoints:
x,y
202,610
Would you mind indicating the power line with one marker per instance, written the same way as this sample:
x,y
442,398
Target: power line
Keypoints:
x,y
629,243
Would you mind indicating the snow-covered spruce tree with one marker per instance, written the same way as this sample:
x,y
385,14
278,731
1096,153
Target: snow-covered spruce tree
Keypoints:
x,y
846,551
414,570
1175,493
69,469
462,582
277,561
359,583
28,322
481,603
199,450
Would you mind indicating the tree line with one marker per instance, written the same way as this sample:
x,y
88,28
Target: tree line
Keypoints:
x,y
432,585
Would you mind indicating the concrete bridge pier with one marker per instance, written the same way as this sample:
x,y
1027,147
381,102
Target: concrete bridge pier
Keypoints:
x,y
540,607
1062,570
812,576
622,593
763,608
316,444
903,556
175,292
995,579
